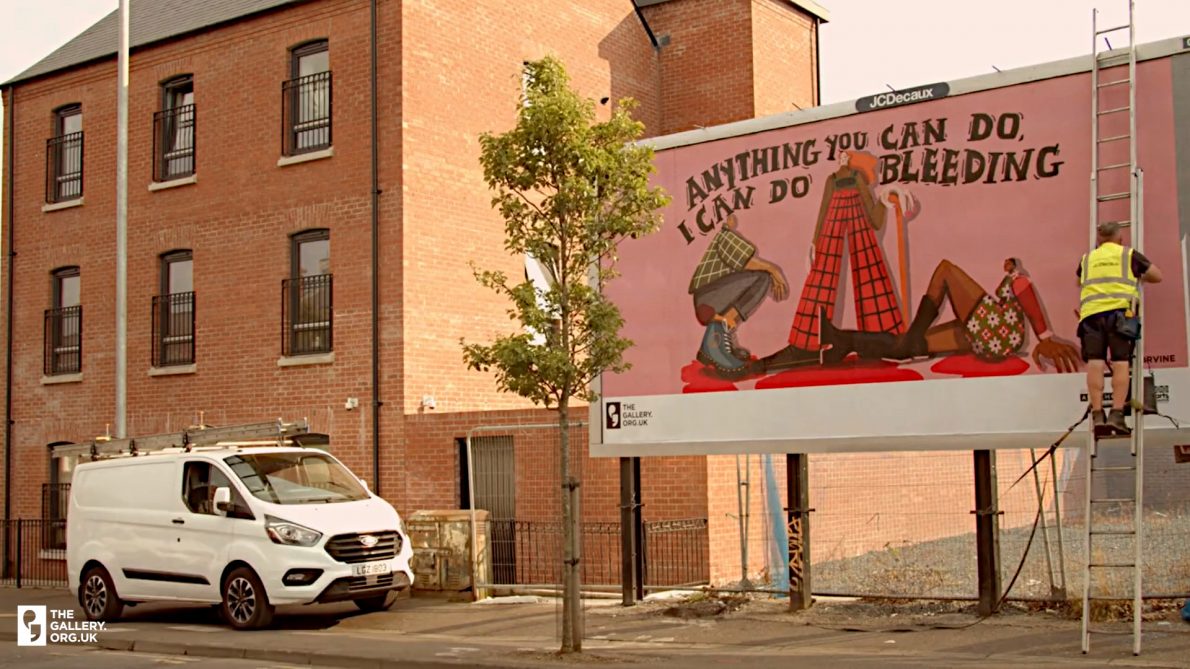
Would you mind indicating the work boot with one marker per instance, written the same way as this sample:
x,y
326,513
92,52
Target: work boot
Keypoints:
x,y
1115,420
741,353
788,358
912,344
838,344
716,351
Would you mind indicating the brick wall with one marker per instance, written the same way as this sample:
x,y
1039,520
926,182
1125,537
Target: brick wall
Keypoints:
x,y
783,53
448,72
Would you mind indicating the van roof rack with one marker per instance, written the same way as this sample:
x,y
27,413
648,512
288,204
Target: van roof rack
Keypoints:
x,y
274,433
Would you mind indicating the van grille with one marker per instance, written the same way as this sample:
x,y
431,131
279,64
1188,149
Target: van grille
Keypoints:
x,y
357,583
348,548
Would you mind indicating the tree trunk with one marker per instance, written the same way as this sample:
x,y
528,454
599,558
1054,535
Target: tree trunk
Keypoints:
x,y
572,637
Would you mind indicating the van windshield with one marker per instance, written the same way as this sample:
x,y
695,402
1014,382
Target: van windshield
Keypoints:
x,y
296,478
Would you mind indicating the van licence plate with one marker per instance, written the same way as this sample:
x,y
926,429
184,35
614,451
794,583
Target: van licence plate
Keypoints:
x,y
370,568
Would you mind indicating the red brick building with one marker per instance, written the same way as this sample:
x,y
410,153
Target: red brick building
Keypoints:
x,y
268,162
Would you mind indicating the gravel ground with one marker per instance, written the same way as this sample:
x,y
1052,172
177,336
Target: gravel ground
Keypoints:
x,y
946,567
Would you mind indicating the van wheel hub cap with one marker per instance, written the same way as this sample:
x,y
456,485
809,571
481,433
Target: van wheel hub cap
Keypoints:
x,y
95,596
241,600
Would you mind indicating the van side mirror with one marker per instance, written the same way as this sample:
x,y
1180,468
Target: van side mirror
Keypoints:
x,y
223,499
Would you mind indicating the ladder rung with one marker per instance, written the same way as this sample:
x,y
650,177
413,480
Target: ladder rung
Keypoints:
x,y
1114,196
1108,55
1120,468
1114,138
1112,30
1117,82
1116,110
1112,565
1114,166
1112,532
1110,632
1113,437
1113,500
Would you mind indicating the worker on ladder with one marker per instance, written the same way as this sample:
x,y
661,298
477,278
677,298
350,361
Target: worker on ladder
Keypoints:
x,y
1110,279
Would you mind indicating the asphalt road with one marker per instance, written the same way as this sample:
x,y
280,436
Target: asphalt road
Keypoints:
x,y
66,657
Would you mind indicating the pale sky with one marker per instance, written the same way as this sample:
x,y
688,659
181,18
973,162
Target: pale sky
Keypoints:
x,y
867,45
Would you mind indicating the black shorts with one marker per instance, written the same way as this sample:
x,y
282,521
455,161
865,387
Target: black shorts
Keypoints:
x,y
1099,337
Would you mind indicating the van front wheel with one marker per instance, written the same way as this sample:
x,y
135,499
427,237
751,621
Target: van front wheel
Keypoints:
x,y
97,596
245,603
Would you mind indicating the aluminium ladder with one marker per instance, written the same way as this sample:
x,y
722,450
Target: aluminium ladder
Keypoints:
x,y
193,437
1108,77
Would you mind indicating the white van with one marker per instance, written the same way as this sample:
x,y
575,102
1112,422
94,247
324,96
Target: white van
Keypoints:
x,y
246,528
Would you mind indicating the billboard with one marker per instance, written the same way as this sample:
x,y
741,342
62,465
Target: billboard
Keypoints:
x,y
898,272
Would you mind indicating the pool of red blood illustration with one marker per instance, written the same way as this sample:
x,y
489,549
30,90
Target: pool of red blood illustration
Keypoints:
x,y
968,365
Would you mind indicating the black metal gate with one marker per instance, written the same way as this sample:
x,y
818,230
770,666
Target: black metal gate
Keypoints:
x,y
495,492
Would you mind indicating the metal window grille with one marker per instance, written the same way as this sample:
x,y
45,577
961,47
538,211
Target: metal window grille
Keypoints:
x,y
64,168
63,340
306,114
307,312
174,143
173,329
55,499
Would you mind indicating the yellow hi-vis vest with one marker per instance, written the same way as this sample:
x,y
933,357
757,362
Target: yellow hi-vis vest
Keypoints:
x,y
1107,280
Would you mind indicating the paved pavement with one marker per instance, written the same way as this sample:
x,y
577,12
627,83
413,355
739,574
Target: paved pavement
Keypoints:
x,y
433,633
92,658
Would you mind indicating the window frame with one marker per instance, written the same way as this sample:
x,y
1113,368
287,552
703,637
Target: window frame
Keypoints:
x,y
307,48
168,309
300,135
168,259
296,323
175,132
56,277
61,154
55,332
170,88
295,249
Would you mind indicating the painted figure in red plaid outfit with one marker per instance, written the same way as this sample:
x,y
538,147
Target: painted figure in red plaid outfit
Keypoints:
x,y
850,215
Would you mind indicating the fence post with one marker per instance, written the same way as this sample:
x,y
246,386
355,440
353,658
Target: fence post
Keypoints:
x,y
638,527
797,490
987,532
628,546
20,534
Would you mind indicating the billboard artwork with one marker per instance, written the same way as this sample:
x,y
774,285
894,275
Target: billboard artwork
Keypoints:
x,y
899,260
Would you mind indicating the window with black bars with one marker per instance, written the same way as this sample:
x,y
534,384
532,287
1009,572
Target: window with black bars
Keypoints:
x,y
63,331
307,306
306,101
174,131
64,156
173,312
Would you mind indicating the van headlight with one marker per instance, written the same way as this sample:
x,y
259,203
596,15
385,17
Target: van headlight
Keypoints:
x,y
290,534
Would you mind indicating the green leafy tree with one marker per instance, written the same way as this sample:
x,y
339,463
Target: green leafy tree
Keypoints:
x,y
570,189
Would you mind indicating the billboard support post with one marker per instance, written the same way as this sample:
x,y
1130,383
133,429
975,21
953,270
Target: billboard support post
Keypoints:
x,y
638,528
797,490
987,532
630,548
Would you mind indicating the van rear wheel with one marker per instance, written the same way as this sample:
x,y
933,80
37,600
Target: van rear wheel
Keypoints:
x,y
378,603
97,596
245,603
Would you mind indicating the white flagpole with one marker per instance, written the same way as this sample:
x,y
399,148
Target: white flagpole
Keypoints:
x,y
122,228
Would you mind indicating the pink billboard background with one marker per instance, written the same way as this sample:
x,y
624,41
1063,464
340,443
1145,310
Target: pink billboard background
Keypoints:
x,y
964,230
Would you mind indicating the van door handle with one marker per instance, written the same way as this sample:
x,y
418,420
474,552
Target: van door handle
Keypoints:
x,y
178,521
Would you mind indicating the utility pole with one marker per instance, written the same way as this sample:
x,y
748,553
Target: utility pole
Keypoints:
x,y
122,227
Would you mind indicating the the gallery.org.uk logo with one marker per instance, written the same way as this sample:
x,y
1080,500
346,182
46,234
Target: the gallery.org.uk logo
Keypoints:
x,y
38,625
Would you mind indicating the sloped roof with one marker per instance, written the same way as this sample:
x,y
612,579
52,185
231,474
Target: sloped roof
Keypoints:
x,y
149,21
